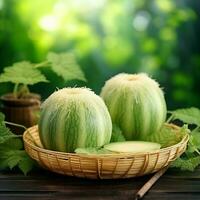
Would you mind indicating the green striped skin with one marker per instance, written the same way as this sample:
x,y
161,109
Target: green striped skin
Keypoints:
x,y
74,118
136,104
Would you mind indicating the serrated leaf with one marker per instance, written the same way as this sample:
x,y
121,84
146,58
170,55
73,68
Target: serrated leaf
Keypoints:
x,y
13,158
188,115
64,65
195,137
26,164
13,161
9,158
5,138
194,142
11,150
186,164
12,144
168,136
5,133
22,73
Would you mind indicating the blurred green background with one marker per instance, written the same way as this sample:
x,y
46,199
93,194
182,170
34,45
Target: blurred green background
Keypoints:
x,y
160,37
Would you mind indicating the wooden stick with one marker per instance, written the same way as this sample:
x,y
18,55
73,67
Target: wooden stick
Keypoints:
x,y
145,188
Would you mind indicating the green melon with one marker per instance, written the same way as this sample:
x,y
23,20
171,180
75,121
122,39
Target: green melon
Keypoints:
x,y
136,104
74,118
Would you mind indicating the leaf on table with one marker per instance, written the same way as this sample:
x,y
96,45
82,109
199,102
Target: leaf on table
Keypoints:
x,y
12,158
26,164
65,65
8,159
188,115
10,153
22,73
186,164
11,150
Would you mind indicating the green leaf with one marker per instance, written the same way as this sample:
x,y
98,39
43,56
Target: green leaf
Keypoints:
x,y
26,164
13,143
5,134
190,159
11,150
2,118
194,142
168,136
13,158
64,65
22,73
188,115
9,159
186,164
117,135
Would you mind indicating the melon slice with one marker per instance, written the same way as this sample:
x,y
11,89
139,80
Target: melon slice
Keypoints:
x,y
132,147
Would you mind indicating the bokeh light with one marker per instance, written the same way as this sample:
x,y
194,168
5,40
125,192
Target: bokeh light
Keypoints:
x,y
108,37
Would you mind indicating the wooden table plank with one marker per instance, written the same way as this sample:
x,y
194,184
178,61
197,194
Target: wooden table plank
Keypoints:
x,y
44,185
163,185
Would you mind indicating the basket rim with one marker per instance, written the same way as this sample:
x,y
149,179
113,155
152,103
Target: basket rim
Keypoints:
x,y
184,140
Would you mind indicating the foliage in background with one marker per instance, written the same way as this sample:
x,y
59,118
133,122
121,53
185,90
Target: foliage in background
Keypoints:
x,y
24,73
107,37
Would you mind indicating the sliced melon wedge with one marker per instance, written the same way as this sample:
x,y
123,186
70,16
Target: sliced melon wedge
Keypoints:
x,y
132,147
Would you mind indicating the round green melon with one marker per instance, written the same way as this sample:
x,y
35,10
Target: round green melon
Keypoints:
x,y
136,104
74,118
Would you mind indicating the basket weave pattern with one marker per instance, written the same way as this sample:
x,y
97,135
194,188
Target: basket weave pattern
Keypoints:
x,y
105,166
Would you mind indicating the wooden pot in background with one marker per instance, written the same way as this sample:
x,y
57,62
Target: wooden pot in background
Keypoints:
x,y
24,111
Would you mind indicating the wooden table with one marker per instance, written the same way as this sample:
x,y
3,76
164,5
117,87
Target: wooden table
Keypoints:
x,y
45,185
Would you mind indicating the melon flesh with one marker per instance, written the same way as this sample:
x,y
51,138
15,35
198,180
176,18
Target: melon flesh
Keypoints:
x,y
132,147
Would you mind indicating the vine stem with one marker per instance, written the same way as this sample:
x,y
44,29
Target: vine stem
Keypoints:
x,y
26,89
14,124
197,151
15,89
42,64
170,118
196,129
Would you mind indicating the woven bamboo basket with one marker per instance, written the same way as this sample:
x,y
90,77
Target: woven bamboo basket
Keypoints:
x,y
103,166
